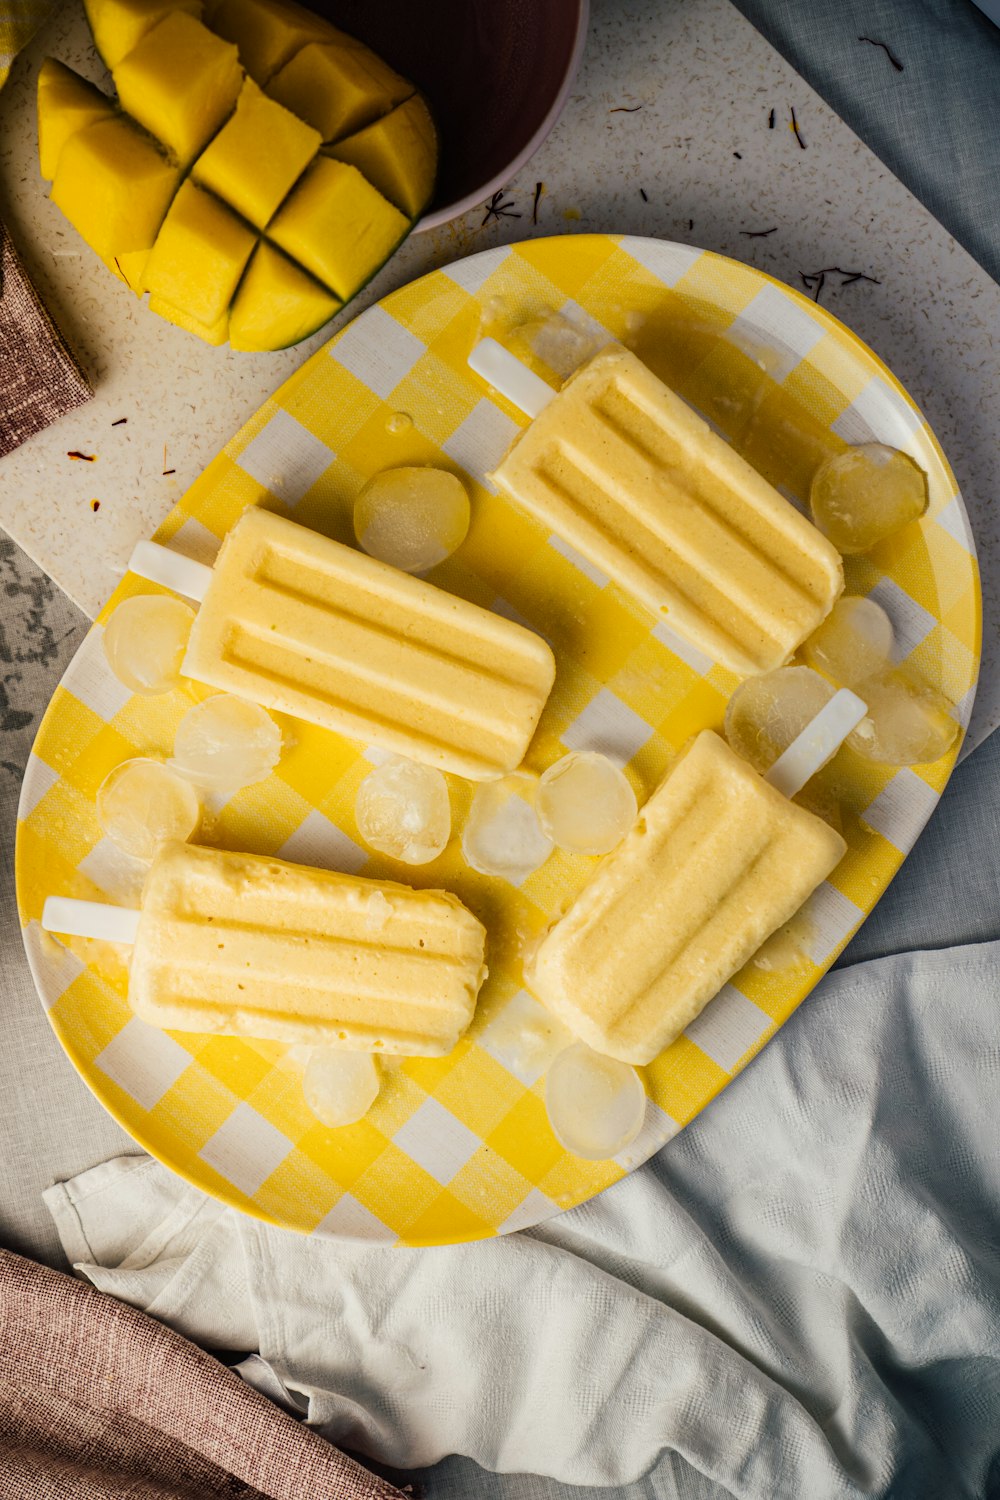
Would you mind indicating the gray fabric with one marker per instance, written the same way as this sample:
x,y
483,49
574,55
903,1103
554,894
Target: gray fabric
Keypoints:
x,y
935,123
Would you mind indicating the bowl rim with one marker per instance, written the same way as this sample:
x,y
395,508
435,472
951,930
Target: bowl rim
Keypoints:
x,y
438,216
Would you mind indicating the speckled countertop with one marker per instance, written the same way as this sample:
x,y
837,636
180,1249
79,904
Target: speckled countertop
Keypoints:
x,y
666,133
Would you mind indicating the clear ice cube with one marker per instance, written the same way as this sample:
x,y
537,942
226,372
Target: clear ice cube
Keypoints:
x,y
225,743
412,517
340,1087
585,803
853,642
861,496
766,713
502,834
908,723
145,640
595,1104
142,804
403,810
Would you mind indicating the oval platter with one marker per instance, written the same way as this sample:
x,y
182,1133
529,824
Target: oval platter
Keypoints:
x,y
459,1148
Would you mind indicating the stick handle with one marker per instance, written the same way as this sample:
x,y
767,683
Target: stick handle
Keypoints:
x,y
90,919
506,374
817,743
171,569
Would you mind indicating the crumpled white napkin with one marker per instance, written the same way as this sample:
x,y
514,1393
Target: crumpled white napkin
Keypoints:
x,y
800,1295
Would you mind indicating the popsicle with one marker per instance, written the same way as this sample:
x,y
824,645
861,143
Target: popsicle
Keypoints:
x,y
620,467
718,859
306,626
248,945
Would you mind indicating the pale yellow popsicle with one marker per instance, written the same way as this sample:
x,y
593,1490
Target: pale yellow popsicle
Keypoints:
x,y
247,945
716,861
622,469
306,626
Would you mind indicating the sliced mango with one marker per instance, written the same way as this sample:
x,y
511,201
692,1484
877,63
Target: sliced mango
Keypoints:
x,y
199,256
67,104
130,268
119,25
336,90
114,185
398,155
269,32
278,144
277,303
180,82
336,225
213,333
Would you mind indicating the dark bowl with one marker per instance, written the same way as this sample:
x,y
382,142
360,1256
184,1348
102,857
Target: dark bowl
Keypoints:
x,y
496,74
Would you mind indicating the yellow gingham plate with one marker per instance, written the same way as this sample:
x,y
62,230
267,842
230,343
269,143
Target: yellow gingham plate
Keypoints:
x,y
460,1147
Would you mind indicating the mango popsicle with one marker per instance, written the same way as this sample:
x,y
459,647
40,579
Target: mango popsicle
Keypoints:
x,y
717,860
621,468
248,945
306,626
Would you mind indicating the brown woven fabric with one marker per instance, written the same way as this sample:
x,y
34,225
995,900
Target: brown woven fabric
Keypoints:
x,y
100,1402
39,378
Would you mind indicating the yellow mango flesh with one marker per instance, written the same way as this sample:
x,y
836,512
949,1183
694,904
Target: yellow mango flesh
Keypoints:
x,y
241,217
337,91
130,268
67,104
397,154
277,304
199,256
264,133
211,333
269,32
114,186
338,227
119,25
180,83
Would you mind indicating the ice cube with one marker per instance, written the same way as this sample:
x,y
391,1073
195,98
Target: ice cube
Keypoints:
x,y
766,713
502,834
908,722
596,1104
865,494
145,640
142,804
403,810
412,518
225,743
340,1087
585,803
853,642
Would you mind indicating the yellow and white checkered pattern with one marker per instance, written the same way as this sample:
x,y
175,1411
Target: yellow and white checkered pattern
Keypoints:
x,y
460,1147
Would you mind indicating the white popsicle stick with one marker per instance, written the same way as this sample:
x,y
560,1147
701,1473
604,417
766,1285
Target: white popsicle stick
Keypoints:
x,y
506,374
160,565
818,743
90,919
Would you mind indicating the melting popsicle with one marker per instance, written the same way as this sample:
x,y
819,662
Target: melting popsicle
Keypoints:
x,y
248,945
718,859
306,626
621,468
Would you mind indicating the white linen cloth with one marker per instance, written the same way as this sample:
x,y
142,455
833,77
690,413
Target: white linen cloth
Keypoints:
x,y
799,1296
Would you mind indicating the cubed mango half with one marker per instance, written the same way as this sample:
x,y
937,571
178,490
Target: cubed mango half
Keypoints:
x,y
180,83
119,25
338,227
257,157
397,154
199,256
114,185
277,303
338,90
67,104
268,32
